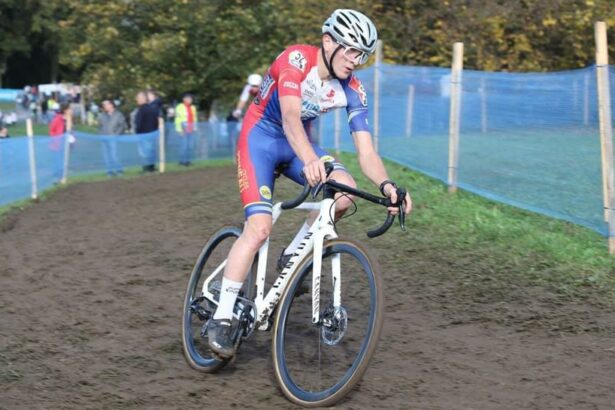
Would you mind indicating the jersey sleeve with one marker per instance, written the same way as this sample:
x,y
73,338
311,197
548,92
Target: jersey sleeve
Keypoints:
x,y
245,93
357,105
292,68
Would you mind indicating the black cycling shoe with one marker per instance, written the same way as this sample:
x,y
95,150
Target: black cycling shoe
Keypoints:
x,y
219,333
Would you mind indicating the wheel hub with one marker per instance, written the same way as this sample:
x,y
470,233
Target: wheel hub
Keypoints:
x,y
334,324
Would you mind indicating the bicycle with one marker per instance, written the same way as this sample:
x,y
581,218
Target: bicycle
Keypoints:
x,y
333,323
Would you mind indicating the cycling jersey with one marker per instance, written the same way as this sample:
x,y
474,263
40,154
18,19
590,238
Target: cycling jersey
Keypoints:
x,y
262,145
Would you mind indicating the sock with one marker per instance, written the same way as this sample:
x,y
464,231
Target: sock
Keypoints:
x,y
228,295
294,245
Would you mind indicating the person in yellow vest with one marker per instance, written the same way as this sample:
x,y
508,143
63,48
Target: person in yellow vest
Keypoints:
x,y
186,126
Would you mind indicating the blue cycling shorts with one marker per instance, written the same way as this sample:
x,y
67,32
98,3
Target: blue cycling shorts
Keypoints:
x,y
262,148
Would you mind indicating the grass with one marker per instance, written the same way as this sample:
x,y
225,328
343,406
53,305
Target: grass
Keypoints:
x,y
19,129
7,106
555,171
514,247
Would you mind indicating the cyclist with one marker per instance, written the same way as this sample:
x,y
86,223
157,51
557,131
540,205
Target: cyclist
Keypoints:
x,y
250,90
301,84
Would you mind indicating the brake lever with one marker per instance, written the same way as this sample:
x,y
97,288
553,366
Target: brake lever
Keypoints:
x,y
316,190
402,214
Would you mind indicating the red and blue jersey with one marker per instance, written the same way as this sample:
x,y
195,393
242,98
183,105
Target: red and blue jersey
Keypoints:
x,y
262,145
295,72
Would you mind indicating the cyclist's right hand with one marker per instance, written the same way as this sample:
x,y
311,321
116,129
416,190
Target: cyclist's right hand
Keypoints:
x,y
314,171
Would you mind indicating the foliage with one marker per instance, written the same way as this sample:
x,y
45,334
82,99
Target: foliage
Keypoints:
x,y
24,23
209,47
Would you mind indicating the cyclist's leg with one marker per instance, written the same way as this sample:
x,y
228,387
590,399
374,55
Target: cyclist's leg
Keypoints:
x,y
256,159
293,171
255,169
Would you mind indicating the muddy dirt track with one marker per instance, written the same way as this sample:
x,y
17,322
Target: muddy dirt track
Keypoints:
x,y
91,287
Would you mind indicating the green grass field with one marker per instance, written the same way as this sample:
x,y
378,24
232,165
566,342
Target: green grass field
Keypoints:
x,y
552,171
6,106
19,129
512,246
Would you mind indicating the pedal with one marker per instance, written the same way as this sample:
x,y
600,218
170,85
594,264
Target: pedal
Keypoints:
x,y
199,310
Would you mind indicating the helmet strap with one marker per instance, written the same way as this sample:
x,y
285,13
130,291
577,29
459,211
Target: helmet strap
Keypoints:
x,y
329,63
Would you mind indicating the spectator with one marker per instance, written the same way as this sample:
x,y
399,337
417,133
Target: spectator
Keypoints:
x,y
57,131
44,107
154,100
52,103
111,124
146,121
185,125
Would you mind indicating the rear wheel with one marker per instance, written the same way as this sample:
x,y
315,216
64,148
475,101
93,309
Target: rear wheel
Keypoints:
x,y
197,310
317,365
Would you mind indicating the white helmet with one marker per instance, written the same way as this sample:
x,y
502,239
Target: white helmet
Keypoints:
x,y
353,29
255,80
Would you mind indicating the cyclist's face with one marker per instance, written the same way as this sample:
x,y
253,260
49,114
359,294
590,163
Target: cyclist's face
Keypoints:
x,y
344,61
346,58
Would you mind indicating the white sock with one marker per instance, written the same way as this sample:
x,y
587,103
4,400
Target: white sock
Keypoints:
x,y
228,295
294,245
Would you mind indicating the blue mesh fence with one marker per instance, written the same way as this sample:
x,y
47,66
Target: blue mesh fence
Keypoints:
x,y
112,154
530,140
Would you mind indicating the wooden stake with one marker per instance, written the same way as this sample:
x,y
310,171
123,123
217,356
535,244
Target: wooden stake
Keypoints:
x,y
483,106
69,128
410,111
453,147
32,157
606,130
586,101
161,144
377,93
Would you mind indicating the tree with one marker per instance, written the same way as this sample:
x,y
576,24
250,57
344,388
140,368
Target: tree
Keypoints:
x,y
23,25
209,47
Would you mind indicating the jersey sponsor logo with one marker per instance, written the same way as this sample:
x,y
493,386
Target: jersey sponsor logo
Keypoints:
x,y
265,192
331,93
242,176
310,110
356,85
266,86
308,88
290,84
296,58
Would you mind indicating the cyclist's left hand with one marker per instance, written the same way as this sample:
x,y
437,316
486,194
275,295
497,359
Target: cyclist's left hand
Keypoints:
x,y
393,195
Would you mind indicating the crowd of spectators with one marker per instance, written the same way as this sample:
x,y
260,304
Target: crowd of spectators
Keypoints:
x,y
113,121
144,119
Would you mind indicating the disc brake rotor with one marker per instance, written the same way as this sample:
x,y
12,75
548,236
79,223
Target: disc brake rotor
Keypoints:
x,y
334,324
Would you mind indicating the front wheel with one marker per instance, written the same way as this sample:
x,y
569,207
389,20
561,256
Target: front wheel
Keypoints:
x,y
317,365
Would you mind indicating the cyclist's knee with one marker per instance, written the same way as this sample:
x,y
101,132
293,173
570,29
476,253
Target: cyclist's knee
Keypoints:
x,y
257,230
343,202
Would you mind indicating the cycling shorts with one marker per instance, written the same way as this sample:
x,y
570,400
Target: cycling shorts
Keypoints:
x,y
261,150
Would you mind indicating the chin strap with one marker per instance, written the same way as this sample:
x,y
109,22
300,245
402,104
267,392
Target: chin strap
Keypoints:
x,y
329,63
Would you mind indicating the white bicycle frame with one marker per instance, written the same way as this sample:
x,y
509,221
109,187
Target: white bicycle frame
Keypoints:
x,y
322,229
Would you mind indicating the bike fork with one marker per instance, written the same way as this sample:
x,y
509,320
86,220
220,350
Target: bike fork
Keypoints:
x,y
316,277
